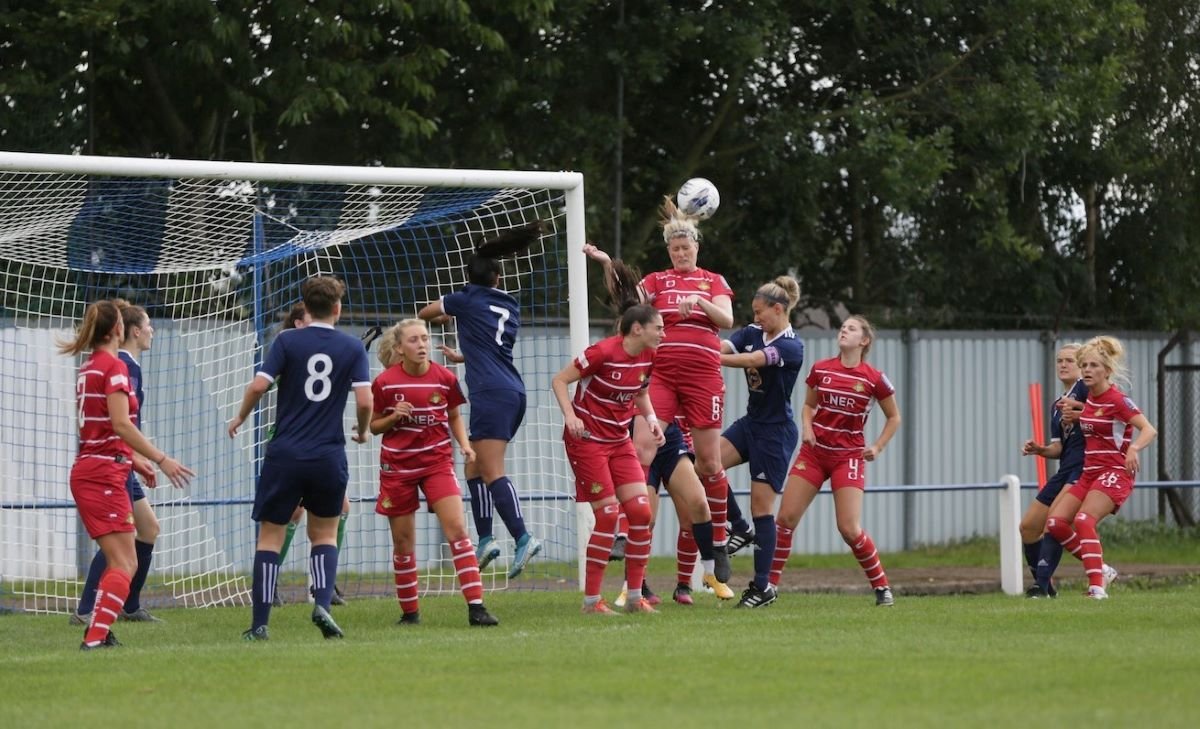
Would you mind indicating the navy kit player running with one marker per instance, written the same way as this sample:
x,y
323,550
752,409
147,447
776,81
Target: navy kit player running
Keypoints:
x,y
488,321
316,368
139,335
1042,551
766,435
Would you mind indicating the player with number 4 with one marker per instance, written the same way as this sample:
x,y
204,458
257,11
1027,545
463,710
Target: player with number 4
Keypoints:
x,y
316,368
841,391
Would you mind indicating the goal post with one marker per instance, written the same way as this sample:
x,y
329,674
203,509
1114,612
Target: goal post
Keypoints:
x,y
215,251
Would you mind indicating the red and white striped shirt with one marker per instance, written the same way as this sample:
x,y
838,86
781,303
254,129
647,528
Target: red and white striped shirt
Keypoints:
x,y
611,380
421,441
1106,431
100,375
693,338
844,399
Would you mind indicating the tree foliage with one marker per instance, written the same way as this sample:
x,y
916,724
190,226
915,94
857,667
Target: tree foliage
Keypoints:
x,y
935,163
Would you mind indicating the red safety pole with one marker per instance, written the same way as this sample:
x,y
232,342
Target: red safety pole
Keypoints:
x,y
1035,412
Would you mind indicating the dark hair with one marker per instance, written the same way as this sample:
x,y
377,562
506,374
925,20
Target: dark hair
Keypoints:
x,y
321,294
132,314
637,314
624,287
483,271
98,323
294,316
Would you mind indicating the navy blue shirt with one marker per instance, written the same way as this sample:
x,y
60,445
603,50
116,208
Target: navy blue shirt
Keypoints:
x,y
1071,458
488,322
315,368
770,385
135,383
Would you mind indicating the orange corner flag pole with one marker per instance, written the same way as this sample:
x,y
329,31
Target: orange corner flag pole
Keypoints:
x,y
1039,433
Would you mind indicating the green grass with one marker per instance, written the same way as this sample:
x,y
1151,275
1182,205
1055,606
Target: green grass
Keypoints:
x,y
815,660
1125,542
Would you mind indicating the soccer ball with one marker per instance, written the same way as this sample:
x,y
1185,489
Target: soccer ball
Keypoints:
x,y
699,198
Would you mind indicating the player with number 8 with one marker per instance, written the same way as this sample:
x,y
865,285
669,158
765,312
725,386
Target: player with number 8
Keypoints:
x,y
316,368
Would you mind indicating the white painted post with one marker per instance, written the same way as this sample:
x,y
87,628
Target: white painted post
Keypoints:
x,y
1011,571
585,521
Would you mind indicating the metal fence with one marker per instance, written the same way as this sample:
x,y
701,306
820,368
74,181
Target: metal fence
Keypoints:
x,y
963,398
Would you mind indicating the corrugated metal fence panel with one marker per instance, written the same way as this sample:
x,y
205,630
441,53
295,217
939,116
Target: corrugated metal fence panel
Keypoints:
x,y
965,410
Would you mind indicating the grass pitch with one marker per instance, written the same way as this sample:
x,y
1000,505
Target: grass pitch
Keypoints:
x,y
808,660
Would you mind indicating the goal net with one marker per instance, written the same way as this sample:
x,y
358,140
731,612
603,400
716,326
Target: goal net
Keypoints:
x,y
215,253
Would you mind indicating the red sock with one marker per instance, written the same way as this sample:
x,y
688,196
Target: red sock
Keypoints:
x,y
864,552
716,489
1091,551
599,547
783,549
467,568
110,599
637,550
1062,532
404,568
686,554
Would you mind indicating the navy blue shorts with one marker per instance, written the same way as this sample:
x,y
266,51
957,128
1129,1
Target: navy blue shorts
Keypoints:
x,y
284,483
1056,483
134,486
667,457
496,414
767,448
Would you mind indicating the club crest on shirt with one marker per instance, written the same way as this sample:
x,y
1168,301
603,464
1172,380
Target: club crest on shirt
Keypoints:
x,y
704,286
435,398
1100,412
859,387
642,377
596,487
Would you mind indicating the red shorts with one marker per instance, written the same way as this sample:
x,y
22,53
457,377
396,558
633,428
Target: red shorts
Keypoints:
x,y
398,495
601,467
98,487
1115,483
699,396
816,466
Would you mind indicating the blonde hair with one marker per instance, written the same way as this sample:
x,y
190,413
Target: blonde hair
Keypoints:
x,y
783,290
1111,354
676,223
868,332
388,355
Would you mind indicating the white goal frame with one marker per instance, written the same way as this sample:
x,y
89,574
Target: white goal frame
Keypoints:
x,y
570,183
